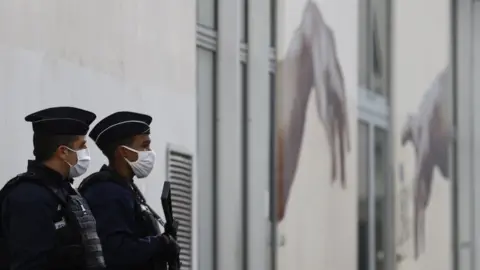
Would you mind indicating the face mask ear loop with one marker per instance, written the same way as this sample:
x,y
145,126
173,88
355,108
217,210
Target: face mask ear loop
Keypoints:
x,y
133,150
71,150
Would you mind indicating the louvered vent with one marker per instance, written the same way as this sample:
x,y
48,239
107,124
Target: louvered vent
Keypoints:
x,y
179,173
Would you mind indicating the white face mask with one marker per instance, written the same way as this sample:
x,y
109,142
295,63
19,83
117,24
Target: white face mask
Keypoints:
x,y
83,161
143,166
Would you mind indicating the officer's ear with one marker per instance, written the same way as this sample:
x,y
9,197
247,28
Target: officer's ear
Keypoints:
x,y
121,151
62,152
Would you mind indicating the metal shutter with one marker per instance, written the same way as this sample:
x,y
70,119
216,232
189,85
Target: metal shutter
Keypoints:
x,y
179,173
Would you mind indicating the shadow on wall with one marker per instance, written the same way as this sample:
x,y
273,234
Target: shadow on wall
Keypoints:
x,y
311,62
430,132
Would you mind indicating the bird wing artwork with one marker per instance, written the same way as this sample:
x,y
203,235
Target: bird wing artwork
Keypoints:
x,y
310,62
430,132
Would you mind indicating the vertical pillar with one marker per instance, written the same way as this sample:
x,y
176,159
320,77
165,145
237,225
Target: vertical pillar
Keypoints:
x,y
465,118
258,126
229,139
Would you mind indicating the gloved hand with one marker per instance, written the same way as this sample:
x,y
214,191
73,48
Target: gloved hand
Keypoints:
x,y
169,247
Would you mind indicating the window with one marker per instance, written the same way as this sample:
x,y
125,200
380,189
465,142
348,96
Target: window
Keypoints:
x,y
373,46
273,23
363,183
206,13
372,175
243,21
380,153
273,38
375,251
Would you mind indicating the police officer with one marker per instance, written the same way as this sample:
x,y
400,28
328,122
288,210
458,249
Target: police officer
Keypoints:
x,y
45,223
129,239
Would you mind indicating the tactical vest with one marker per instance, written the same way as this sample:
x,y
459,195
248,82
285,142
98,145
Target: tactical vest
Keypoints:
x,y
74,217
150,218
144,214
147,220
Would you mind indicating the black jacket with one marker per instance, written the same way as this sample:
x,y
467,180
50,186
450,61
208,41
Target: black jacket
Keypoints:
x,y
35,233
126,242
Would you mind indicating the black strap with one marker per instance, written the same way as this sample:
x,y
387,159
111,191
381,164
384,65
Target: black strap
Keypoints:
x,y
105,176
142,201
101,176
32,178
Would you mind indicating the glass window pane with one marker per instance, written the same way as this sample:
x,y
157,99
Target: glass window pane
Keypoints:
x,y
206,13
273,23
378,37
464,259
244,21
373,45
381,165
363,176
363,134
243,78
380,161
205,69
363,75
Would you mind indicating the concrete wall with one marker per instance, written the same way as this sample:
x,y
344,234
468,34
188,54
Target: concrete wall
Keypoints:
x,y
421,107
317,215
317,227
103,56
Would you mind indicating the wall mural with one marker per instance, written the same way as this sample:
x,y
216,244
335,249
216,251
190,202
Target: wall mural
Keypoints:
x,y
311,62
430,132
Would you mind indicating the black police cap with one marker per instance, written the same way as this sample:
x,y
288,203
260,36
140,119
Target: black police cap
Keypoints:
x,y
61,121
119,126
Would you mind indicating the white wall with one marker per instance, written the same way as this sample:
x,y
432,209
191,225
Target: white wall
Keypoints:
x,y
421,51
102,56
319,226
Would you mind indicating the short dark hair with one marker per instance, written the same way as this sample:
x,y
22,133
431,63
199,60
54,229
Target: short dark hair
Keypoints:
x,y
44,145
109,149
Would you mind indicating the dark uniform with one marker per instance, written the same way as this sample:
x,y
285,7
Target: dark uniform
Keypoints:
x,y
44,220
130,240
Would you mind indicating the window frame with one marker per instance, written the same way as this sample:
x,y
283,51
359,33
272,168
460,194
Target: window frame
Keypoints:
x,y
374,109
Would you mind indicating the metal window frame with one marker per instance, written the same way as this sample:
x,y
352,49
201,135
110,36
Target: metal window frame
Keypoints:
x,y
376,111
373,108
